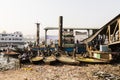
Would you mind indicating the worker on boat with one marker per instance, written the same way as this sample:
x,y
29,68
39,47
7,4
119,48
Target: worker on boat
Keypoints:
x,y
48,50
74,52
56,52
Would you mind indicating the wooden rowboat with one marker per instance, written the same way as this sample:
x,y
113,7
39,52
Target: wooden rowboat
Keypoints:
x,y
67,60
92,60
12,54
36,59
49,59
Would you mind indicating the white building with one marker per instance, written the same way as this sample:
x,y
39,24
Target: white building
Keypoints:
x,y
11,40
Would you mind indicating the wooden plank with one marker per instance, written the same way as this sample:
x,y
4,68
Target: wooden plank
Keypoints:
x,y
115,30
119,28
109,34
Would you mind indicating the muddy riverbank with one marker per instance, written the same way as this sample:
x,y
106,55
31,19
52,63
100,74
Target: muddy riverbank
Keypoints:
x,y
60,72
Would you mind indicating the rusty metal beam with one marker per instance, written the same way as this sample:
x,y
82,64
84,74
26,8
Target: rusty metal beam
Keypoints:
x,y
60,31
105,29
74,28
109,36
119,28
114,30
37,36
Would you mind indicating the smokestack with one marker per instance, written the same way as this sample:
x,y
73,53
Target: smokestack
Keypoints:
x,y
60,31
37,36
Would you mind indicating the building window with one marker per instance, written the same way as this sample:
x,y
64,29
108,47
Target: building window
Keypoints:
x,y
20,35
4,34
2,38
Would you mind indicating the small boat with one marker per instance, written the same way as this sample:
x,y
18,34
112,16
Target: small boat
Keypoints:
x,y
92,60
49,59
11,54
36,59
67,60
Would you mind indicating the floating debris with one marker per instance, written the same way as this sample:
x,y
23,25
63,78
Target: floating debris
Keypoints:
x,y
106,76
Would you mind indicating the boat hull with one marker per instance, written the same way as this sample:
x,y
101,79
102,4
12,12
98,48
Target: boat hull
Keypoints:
x,y
49,60
36,59
92,60
68,60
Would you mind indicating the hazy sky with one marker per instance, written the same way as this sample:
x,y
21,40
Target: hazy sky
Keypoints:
x,y
21,15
